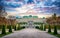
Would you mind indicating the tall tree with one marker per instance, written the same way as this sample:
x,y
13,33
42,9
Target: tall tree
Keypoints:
x,y
55,27
49,29
3,29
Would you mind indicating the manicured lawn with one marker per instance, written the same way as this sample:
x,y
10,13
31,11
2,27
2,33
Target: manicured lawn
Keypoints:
x,y
1,35
57,35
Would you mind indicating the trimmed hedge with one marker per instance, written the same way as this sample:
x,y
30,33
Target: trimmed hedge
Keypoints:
x,y
55,29
15,28
37,27
49,29
10,28
41,27
18,28
44,27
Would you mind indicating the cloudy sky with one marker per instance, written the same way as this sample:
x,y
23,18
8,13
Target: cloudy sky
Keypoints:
x,y
35,7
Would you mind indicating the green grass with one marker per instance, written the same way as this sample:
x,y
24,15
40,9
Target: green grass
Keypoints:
x,y
57,35
1,35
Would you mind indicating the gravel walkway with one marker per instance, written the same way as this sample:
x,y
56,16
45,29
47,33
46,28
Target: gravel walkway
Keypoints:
x,y
29,33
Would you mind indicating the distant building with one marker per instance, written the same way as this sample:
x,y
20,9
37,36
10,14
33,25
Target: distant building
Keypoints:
x,y
40,20
30,16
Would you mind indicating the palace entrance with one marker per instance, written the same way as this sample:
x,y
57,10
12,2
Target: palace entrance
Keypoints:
x,y
30,24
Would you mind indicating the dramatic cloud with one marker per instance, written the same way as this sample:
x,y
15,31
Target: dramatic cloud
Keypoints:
x,y
17,3
41,6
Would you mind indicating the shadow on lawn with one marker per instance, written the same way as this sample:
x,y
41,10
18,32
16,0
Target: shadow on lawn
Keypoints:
x,y
57,35
1,35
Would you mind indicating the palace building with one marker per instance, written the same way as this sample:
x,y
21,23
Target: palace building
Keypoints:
x,y
31,18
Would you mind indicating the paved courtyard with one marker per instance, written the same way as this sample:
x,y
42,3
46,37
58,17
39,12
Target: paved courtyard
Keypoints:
x,y
29,33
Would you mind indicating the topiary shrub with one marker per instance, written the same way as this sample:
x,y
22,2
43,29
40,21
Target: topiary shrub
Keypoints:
x,y
41,27
3,29
18,28
55,29
15,28
49,29
44,27
10,28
